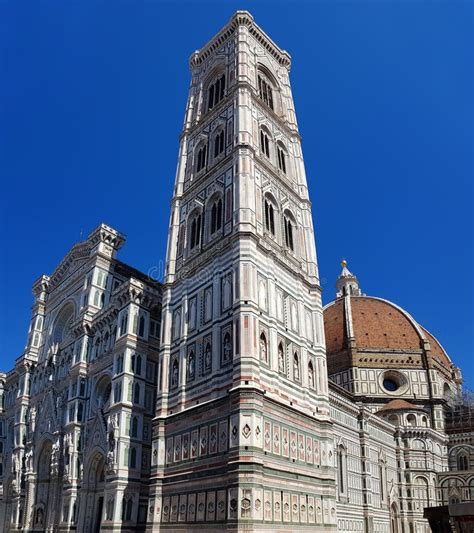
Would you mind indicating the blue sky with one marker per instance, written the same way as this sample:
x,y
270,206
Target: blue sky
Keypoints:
x,y
92,101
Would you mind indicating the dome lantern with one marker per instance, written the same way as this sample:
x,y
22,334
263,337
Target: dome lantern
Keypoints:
x,y
347,283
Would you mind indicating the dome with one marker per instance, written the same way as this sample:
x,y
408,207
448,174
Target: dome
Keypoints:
x,y
367,331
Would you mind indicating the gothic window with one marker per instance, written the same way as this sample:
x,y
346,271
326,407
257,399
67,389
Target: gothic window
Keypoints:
x,y
269,216
201,157
119,364
117,392
463,461
265,91
311,381
132,363
80,411
138,365
195,231
123,324
289,231
281,158
382,481
342,470
136,393
216,92
133,457
265,142
82,387
296,367
219,143
263,348
134,429
216,215
281,358
127,507
226,292
141,326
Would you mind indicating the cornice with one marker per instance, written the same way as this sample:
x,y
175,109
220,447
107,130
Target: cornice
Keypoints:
x,y
240,18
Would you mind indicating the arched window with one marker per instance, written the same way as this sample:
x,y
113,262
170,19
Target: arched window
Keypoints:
x,y
133,457
134,431
281,158
80,412
138,365
263,348
265,142
269,216
136,393
123,324
463,461
311,381
393,419
265,90
288,224
127,508
411,420
382,480
216,215
216,92
201,157
341,470
219,143
195,231
141,326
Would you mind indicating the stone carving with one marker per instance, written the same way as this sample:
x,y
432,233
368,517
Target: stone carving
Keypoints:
x,y
55,457
175,374
208,356
191,365
263,349
227,348
281,359
296,367
29,460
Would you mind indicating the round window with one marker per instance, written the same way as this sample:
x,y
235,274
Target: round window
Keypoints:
x,y
390,384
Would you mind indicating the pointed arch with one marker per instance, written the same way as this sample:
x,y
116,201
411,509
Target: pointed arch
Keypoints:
x,y
311,379
263,348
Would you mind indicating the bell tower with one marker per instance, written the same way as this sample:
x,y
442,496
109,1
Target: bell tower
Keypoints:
x,y
242,433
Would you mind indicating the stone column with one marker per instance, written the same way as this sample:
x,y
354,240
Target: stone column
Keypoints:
x,y
30,499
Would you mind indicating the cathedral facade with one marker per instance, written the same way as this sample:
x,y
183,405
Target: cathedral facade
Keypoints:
x,y
225,398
